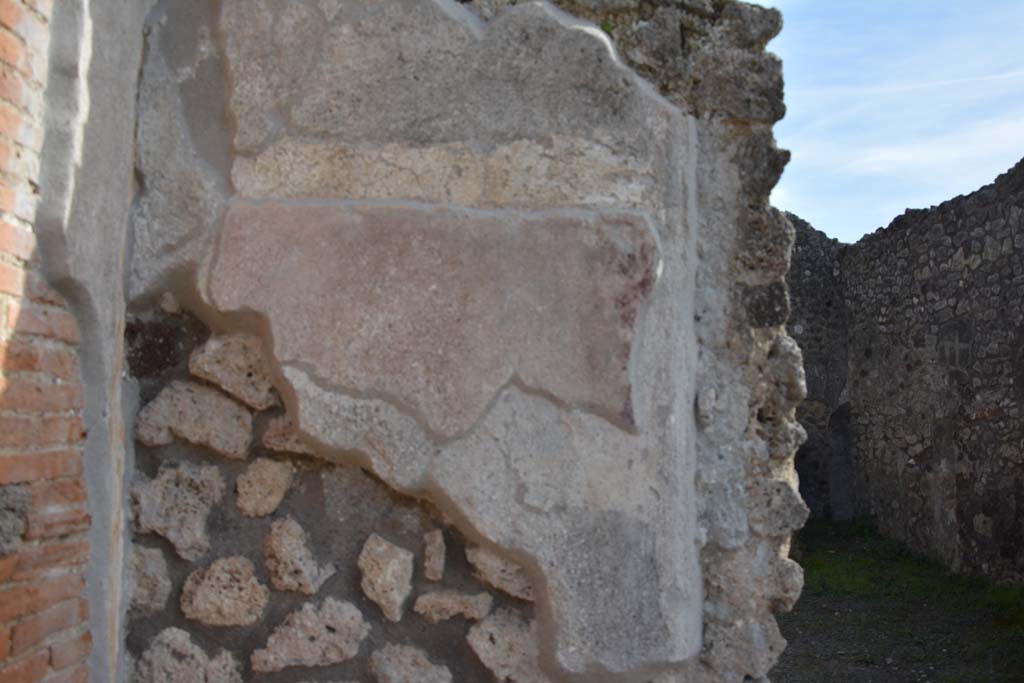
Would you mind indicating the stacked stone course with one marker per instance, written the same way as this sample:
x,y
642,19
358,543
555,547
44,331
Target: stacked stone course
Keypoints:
x,y
934,375
43,515
256,589
818,322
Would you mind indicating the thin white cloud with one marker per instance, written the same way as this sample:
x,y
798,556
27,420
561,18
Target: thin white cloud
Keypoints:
x,y
896,104
897,88
947,154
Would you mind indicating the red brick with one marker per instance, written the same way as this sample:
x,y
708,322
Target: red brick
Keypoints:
x,y
71,651
11,13
32,356
18,242
22,23
79,674
39,290
7,566
28,395
7,198
55,524
38,596
42,7
31,563
28,670
30,632
25,431
12,51
5,643
17,469
54,323
12,86
57,494
12,279
11,123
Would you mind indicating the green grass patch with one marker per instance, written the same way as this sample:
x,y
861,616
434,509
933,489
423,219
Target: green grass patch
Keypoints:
x,y
898,601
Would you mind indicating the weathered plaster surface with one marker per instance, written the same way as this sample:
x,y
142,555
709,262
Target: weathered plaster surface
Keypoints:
x,y
85,192
497,269
467,301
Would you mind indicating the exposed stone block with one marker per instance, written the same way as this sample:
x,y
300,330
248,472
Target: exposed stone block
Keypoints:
x,y
234,362
14,504
314,636
433,555
290,561
262,486
280,436
197,414
406,664
150,580
507,645
503,574
442,605
227,593
176,503
387,575
172,657
778,510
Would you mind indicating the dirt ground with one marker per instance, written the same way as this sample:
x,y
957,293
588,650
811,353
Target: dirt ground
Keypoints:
x,y
872,613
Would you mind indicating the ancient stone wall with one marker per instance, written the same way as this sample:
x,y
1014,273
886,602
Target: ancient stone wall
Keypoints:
x,y
936,328
538,302
829,483
455,347
933,331
43,517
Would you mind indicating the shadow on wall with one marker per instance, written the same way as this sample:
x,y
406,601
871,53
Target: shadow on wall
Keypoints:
x,y
931,338
825,464
43,516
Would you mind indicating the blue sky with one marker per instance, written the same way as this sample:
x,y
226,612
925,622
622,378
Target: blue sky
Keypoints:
x,y
896,104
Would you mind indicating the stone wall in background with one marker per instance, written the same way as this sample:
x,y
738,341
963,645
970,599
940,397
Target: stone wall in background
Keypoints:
x,y
935,374
936,326
828,481
514,289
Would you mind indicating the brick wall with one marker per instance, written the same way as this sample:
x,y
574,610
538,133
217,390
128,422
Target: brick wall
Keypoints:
x,y
43,518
